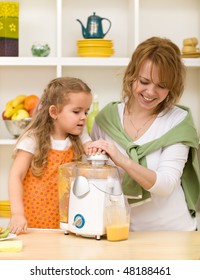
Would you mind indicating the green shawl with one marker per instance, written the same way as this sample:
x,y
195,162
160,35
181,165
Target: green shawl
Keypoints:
x,y
185,132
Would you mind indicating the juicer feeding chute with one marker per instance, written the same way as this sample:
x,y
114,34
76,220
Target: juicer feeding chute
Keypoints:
x,y
81,186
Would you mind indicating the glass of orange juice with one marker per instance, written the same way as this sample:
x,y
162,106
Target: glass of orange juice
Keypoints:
x,y
117,222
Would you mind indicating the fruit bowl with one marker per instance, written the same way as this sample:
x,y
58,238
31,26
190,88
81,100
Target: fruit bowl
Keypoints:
x,y
15,127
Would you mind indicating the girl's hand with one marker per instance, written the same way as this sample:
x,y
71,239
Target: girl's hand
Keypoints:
x,y
18,224
92,150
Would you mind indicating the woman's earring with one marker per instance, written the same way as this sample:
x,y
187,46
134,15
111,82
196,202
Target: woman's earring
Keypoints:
x,y
167,98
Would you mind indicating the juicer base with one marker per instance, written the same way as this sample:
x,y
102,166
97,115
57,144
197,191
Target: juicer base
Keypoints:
x,y
97,237
64,226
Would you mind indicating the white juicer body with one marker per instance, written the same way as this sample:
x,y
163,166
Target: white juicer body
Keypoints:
x,y
86,213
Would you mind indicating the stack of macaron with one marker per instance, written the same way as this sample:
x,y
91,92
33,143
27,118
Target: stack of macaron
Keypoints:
x,y
190,47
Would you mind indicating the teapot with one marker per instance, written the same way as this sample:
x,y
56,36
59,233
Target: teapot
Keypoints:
x,y
94,27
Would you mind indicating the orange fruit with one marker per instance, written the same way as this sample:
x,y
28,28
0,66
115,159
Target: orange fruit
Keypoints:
x,y
31,102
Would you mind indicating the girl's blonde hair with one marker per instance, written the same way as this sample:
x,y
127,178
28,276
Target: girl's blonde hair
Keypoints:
x,y
56,93
164,54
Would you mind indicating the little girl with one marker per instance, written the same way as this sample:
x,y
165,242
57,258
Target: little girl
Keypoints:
x,y
55,136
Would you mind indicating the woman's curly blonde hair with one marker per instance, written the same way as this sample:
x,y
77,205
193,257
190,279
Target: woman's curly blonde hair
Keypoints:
x,y
56,93
164,54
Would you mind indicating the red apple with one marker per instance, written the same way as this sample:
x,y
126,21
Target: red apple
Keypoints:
x,y
4,117
31,112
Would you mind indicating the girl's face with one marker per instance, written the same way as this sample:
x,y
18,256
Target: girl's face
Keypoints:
x,y
72,118
148,90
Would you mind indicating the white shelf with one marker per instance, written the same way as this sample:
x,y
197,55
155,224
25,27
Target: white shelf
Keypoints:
x,y
28,61
7,141
78,61
64,61
94,61
192,62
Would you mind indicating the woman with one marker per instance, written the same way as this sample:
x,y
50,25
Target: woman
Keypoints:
x,y
153,141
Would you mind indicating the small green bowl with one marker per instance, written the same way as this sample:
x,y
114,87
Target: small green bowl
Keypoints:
x,y
40,50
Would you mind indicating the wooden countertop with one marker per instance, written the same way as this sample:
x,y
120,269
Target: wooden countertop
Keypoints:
x,y
54,245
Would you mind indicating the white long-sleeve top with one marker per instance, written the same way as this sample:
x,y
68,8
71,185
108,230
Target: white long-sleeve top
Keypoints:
x,y
167,210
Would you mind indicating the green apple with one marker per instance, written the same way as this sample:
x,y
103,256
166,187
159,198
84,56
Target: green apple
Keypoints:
x,y
20,114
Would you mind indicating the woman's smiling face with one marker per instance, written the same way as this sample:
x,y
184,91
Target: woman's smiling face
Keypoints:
x,y
148,90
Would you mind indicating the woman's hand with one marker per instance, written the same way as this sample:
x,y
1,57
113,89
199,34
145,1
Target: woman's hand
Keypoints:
x,y
143,176
107,147
18,224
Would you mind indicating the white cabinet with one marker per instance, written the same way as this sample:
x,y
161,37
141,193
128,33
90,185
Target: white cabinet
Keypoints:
x,y
54,22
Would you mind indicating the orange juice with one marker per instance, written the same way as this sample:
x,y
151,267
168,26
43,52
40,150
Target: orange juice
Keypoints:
x,y
117,232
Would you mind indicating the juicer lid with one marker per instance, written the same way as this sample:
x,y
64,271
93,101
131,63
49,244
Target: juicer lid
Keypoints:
x,y
98,159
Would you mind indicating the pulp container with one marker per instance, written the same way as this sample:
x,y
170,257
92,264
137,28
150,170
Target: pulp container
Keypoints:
x,y
64,174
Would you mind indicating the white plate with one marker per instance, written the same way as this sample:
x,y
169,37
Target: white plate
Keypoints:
x,y
10,236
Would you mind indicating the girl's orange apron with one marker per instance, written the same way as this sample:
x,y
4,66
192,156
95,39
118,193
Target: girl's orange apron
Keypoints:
x,y
41,204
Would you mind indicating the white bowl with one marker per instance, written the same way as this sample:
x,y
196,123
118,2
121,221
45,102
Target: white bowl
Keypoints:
x,y
15,127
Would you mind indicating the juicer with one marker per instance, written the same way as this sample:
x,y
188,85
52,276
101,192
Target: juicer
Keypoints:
x,y
90,188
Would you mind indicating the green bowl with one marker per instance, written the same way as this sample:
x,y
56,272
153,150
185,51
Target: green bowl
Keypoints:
x,y
40,50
